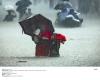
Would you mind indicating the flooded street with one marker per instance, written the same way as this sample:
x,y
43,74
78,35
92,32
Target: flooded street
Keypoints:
x,y
81,48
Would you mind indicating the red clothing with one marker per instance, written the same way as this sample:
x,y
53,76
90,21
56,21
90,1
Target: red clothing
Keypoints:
x,y
60,37
42,50
46,34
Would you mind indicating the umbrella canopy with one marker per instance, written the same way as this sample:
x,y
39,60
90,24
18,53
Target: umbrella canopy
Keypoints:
x,y
30,25
9,7
61,6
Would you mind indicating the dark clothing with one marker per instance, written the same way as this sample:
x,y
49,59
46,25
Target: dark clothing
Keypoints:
x,y
22,6
10,16
54,48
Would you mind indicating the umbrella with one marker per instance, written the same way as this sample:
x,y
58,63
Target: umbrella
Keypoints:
x,y
9,7
61,6
38,21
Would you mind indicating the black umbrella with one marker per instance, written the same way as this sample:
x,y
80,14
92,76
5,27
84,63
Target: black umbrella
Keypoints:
x,y
61,6
37,21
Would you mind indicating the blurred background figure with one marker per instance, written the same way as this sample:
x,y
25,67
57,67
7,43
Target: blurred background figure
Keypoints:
x,y
67,14
22,7
10,16
63,4
27,14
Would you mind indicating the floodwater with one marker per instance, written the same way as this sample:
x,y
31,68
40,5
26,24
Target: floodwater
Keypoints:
x,y
81,48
